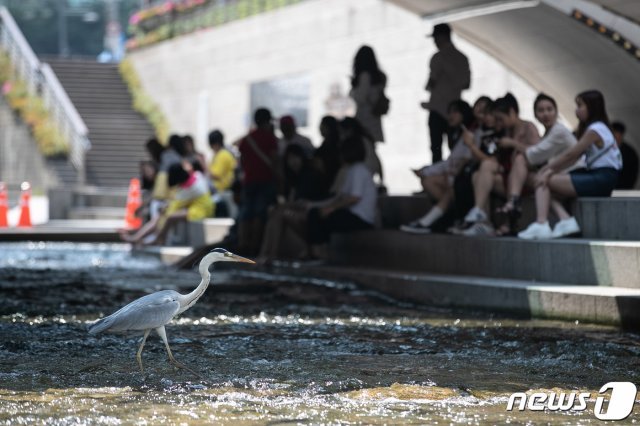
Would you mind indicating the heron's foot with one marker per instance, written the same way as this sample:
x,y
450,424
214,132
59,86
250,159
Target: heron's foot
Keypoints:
x,y
184,367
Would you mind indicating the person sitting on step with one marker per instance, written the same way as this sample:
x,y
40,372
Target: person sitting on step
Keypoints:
x,y
528,158
598,179
437,179
491,176
191,201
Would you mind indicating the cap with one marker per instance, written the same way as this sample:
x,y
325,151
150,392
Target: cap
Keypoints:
x,y
287,120
441,29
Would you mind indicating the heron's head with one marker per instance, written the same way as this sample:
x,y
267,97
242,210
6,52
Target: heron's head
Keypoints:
x,y
222,255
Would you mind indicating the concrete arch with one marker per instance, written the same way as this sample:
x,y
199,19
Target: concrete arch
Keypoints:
x,y
554,52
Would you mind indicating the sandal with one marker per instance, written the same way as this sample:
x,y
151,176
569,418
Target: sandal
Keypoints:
x,y
508,215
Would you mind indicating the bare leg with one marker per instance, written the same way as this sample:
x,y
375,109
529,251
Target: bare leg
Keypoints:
x,y
483,182
559,209
163,335
171,221
147,229
436,186
561,186
139,354
273,234
517,176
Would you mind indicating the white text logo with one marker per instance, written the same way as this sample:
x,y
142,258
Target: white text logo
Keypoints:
x,y
620,403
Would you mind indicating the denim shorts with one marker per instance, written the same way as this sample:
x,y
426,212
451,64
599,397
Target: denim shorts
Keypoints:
x,y
256,200
595,182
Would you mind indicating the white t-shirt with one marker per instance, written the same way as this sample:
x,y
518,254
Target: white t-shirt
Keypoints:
x,y
358,182
607,156
198,188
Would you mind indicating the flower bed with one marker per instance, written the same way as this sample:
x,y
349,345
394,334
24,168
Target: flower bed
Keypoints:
x,y
32,110
142,103
178,17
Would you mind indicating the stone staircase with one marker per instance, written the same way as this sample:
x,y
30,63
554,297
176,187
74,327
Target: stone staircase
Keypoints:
x,y
116,131
592,279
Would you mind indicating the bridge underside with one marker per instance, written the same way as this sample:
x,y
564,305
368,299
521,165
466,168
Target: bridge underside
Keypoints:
x,y
551,50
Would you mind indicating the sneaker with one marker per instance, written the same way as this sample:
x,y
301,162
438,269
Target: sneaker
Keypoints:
x,y
479,229
566,227
416,228
475,215
536,231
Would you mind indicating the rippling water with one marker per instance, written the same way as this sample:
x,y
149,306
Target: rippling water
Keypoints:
x,y
274,350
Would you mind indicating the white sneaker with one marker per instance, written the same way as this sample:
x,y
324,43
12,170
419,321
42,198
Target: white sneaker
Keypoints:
x,y
566,227
536,231
415,228
479,229
475,215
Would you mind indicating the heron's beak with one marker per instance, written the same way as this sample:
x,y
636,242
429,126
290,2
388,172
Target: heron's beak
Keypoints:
x,y
237,258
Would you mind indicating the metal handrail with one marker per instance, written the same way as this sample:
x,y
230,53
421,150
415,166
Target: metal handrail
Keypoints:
x,y
41,80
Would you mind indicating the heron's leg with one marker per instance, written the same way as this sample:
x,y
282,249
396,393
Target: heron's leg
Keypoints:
x,y
163,335
139,354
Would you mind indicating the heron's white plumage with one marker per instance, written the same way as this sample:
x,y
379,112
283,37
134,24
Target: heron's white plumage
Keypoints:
x,y
155,310
150,311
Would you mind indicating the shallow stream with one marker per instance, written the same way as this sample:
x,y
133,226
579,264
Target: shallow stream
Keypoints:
x,y
273,350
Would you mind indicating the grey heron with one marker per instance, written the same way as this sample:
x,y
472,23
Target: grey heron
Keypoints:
x,y
154,311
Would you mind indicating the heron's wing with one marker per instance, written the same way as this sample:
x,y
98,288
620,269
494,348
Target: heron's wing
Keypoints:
x,y
151,311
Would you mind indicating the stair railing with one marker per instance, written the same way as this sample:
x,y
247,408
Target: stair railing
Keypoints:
x,y
41,80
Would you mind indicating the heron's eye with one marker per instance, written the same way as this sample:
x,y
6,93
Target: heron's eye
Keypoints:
x,y
227,254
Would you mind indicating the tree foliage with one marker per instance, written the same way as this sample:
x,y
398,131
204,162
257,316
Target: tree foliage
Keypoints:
x,y
38,20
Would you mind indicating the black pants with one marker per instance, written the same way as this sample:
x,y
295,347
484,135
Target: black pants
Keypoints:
x,y
438,126
321,228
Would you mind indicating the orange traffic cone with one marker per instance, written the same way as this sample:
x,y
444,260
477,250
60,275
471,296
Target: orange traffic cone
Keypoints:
x,y
25,212
4,206
134,201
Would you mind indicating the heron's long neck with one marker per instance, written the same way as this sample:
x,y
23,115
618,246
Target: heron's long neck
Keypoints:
x,y
191,298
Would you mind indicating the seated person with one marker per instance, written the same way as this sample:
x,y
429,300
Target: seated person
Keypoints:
x,y
302,184
222,171
598,179
438,178
191,201
354,206
629,173
326,159
527,158
290,136
494,168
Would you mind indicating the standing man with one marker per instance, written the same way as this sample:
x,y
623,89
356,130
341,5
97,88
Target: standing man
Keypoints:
x,y
449,75
259,162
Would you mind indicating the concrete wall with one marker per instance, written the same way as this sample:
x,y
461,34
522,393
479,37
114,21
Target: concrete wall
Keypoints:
x,y
203,80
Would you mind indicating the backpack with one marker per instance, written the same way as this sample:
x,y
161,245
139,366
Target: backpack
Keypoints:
x,y
382,105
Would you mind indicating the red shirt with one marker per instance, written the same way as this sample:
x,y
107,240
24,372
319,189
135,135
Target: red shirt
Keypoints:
x,y
255,169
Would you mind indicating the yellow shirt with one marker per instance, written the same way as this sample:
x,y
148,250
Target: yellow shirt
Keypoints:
x,y
222,169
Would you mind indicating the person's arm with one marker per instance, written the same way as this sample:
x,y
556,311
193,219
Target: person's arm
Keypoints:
x,y
434,72
556,138
512,143
469,141
340,202
567,158
361,92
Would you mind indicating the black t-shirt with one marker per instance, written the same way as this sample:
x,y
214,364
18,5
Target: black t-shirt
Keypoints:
x,y
629,172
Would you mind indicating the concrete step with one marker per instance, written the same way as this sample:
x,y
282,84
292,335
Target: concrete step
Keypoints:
x,y
568,261
611,218
208,231
97,213
117,133
596,304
